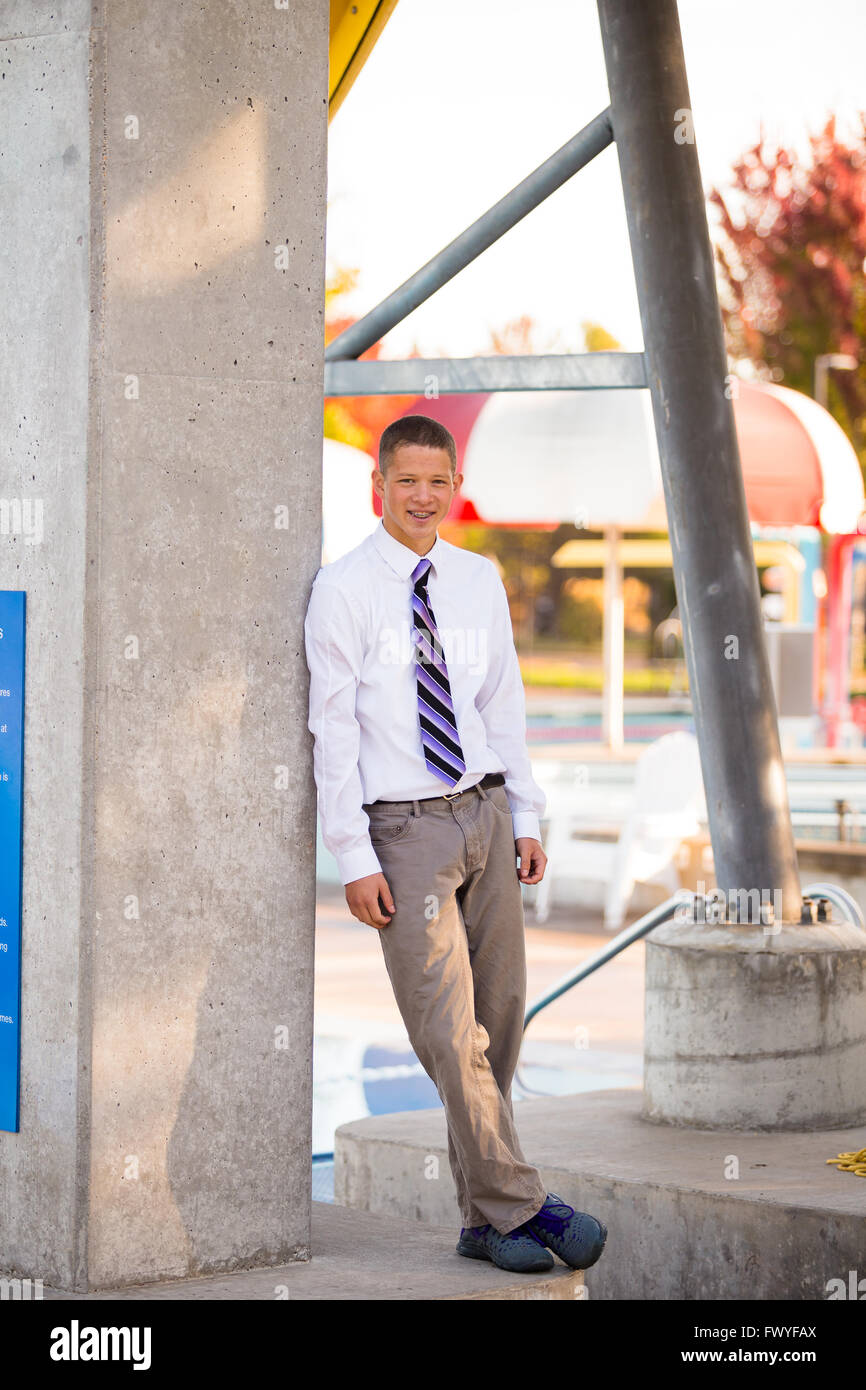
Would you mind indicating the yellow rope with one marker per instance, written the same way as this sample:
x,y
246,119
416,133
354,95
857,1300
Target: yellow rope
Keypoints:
x,y
851,1163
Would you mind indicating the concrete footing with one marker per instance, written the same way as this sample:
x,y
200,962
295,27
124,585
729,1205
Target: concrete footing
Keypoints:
x,y
752,1027
691,1214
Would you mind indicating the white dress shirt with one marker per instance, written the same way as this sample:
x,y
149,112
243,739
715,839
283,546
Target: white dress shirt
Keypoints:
x,y
363,691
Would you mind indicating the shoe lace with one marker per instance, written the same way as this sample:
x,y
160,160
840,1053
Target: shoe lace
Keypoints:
x,y
555,1214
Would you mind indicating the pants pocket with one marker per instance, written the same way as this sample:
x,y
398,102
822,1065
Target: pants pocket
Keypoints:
x,y
385,828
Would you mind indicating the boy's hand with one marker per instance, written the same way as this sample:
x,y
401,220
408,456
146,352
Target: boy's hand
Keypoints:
x,y
533,860
362,895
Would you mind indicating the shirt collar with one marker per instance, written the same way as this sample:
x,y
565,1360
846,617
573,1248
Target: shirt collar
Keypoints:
x,y
400,557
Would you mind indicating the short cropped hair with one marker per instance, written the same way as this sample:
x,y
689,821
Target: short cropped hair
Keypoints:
x,y
416,429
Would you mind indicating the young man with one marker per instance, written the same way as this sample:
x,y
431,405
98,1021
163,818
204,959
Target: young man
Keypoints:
x,y
426,799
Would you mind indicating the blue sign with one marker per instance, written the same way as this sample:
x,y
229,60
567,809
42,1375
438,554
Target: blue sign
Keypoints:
x,y
11,778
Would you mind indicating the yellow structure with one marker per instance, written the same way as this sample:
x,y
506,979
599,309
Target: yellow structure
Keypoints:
x,y
655,553
354,31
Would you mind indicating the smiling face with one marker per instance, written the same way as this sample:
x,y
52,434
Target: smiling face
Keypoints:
x,y
416,492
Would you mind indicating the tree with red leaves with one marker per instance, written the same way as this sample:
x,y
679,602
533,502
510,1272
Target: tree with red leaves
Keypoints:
x,y
791,255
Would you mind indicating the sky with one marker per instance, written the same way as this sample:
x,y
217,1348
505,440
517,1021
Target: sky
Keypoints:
x,y
461,99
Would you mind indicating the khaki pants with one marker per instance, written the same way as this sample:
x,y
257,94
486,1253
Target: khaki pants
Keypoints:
x,y
455,954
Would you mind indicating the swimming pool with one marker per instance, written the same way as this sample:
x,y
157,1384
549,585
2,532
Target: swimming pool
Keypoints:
x,y
639,726
357,1077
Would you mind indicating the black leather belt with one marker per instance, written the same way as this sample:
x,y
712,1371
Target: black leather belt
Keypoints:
x,y
490,779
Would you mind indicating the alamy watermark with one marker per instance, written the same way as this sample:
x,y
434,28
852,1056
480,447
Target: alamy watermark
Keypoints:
x,y
755,906
467,645
22,516
20,1290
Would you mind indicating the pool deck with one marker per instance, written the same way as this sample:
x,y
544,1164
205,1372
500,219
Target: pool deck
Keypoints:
x,y
359,1257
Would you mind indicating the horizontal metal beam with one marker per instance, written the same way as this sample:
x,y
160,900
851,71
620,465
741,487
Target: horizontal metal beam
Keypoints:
x,y
451,376
537,186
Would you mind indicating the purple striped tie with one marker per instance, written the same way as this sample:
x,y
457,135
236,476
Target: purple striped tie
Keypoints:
x,y
439,738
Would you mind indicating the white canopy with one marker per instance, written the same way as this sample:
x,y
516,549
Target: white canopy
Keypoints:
x,y
585,456
347,507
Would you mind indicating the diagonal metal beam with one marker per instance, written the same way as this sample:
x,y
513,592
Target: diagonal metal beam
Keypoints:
x,y
511,209
451,376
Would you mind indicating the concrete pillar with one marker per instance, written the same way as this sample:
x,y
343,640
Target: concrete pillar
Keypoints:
x,y
164,186
750,1027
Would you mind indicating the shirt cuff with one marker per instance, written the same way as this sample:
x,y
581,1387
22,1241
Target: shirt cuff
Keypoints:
x,y
526,824
358,863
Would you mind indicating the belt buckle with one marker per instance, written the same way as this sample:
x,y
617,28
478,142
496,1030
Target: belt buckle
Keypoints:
x,y
449,796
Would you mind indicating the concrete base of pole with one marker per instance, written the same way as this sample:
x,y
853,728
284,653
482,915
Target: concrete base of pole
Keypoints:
x,y
753,1027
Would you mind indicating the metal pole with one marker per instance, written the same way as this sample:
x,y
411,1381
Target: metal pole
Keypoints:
x,y
531,191
837,702
842,361
714,567
613,721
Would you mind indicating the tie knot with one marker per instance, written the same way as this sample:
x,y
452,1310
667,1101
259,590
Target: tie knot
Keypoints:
x,y
420,572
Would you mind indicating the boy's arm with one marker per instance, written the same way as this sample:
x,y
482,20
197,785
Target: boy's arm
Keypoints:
x,y
502,705
332,636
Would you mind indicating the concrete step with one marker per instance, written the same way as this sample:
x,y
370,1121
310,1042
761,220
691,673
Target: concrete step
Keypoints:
x,y
360,1256
691,1214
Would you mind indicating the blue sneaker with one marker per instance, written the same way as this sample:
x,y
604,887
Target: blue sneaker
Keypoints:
x,y
577,1238
520,1250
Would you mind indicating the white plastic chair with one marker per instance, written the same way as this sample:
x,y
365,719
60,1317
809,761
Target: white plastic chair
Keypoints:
x,y
667,805
575,801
